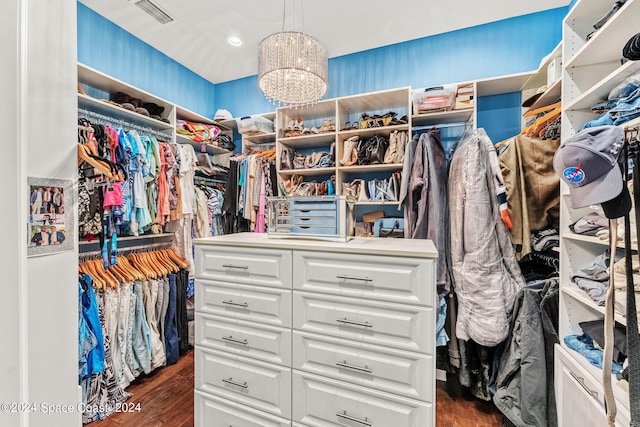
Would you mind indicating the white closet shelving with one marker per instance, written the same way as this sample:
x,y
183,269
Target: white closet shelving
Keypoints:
x,y
539,79
339,111
98,87
184,114
261,140
93,80
591,68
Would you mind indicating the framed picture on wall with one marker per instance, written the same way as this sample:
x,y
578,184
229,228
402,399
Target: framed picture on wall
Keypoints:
x,y
51,227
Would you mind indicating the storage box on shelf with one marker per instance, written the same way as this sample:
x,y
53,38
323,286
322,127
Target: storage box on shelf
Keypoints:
x,y
261,139
320,217
591,68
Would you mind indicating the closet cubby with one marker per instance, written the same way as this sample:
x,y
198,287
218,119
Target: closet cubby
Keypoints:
x,y
539,78
344,116
184,114
591,69
261,140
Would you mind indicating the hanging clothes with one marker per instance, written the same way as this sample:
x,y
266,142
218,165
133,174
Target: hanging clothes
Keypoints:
x,y
524,389
486,275
427,208
533,188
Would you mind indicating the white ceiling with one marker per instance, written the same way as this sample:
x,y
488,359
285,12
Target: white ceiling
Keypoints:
x,y
197,36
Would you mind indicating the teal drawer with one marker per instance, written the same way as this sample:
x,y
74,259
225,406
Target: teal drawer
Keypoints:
x,y
312,221
305,229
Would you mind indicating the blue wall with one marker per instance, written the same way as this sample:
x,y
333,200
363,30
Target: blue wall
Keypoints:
x,y
503,47
106,47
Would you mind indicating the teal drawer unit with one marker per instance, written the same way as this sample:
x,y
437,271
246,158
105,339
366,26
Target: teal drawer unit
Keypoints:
x,y
321,217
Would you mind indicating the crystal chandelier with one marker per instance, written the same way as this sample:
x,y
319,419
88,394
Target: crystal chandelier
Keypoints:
x,y
292,68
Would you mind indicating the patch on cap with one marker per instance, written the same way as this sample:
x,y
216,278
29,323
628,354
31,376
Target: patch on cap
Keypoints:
x,y
574,175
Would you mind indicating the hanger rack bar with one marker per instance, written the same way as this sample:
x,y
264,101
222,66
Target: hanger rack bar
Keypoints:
x,y
129,249
466,125
206,180
106,120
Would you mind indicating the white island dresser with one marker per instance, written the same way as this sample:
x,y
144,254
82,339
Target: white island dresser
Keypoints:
x,y
292,332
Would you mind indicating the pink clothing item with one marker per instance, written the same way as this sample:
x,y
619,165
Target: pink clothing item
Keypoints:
x,y
162,188
113,195
112,137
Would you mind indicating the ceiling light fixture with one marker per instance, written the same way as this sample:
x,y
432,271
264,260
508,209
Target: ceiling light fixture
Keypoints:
x,y
234,41
292,67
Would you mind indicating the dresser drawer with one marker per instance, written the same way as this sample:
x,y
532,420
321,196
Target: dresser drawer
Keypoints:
x,y
393,279
265,342
254,303
407,373
265,267
261,385
212,410
395,325
325,402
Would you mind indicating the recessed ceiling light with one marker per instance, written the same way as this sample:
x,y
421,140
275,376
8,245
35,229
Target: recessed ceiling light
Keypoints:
x,y
234,41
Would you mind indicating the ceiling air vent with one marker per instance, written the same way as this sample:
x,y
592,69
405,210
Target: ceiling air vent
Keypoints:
x,y
154,10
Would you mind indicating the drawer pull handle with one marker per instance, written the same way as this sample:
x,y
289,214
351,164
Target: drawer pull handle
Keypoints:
x,y
350,418
232,382
580,381
354,322
364,279
236,304
355,368
239,267
230,338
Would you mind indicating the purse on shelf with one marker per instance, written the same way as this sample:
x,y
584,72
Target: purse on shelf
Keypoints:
x,y
371,151
286,159
389,227
299,161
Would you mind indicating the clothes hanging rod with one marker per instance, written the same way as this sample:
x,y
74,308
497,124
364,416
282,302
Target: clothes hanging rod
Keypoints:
x,y
106,120
120,251
443,125
206,180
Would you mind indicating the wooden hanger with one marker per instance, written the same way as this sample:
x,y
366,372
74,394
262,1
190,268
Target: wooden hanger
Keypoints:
x,y
135,273
88,267
177,258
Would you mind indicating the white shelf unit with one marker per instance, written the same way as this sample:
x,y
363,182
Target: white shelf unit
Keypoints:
x,y
340,111
92,79
539,78
94,82
261,140
184,114
591,68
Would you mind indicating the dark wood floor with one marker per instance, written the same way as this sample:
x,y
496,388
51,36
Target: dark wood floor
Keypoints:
x,y
166,399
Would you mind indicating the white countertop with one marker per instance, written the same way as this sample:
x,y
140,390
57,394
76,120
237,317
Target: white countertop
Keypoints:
x,y
416,248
